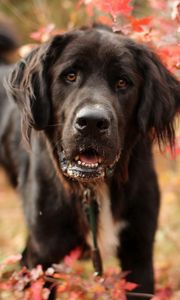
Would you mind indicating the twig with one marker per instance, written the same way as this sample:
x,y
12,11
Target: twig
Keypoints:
x,y
140,295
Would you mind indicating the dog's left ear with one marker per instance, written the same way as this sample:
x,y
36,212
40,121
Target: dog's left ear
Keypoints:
x,y
160,97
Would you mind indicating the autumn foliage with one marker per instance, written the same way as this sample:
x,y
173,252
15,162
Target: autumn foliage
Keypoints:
x,y
73,282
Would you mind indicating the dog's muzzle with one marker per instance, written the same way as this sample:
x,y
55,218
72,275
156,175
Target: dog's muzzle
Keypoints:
x,y
92,122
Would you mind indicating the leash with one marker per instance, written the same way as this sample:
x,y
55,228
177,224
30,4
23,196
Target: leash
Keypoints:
x,y
89,205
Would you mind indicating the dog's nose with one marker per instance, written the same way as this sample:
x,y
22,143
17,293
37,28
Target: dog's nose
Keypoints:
x,y
90,119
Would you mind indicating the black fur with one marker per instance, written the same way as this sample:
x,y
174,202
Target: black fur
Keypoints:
x,y
137,114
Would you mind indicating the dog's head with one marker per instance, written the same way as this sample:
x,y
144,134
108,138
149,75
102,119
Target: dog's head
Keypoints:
x,y
93,93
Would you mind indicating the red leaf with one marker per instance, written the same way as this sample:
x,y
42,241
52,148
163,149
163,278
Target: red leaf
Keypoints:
x,y
176,150
63,287
36,273
72,257
74,296
12,259
129,286
170,56
113,7
163,294
139,24
160,5
119,294
43,34
37,290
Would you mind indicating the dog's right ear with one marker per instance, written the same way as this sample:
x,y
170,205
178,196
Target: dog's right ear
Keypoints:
x,y
30,84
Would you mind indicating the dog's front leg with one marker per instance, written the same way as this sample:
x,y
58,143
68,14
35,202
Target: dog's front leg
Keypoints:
x,y
136,258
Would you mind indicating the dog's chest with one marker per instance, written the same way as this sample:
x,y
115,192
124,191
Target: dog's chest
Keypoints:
x,y
107,229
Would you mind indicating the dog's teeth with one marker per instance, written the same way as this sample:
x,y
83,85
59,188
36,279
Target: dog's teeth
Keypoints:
x,y
96,165
70,172
83,163
77,158
79,162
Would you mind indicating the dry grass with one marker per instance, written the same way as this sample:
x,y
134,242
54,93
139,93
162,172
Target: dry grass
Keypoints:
x,y
12,227
167,248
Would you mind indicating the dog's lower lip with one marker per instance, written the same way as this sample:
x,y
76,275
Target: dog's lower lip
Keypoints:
x,y
84,172
82,167
86,167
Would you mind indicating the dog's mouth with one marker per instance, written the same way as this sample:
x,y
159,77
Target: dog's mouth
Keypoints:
x,y
86,166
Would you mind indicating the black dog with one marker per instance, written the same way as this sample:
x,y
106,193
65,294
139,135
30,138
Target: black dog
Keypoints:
x,y
91,103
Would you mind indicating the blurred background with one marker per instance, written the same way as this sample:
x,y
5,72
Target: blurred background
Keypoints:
x,y
29,16
34,21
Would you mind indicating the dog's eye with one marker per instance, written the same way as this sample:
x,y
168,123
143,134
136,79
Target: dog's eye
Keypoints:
x,y
122,83
71,76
